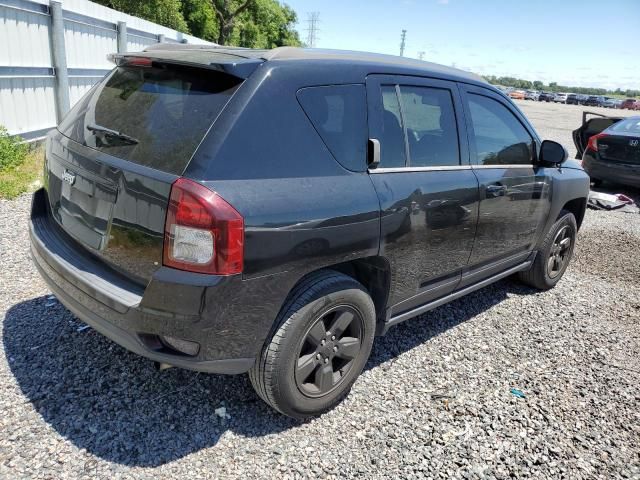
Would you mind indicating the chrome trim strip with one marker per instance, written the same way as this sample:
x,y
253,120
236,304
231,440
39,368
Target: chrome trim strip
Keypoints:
x,y
419,169
445,168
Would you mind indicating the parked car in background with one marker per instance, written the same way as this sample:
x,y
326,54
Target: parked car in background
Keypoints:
x,y
516,94
610,148
594,101
572,99
531,95
546,97
169,220
630,104
610,102
560,98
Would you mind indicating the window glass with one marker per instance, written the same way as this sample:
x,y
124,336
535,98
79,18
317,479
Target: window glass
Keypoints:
x,y
392,147
162,113
339,114
628,126
500,139
431,126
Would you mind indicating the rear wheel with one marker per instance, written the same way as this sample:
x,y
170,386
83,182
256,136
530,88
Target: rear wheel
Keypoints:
x,y
321,342
554,254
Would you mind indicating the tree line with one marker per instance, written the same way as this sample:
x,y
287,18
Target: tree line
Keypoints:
x,y
242,23
554,87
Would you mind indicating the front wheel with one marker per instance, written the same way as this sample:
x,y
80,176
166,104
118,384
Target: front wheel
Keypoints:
x,y
553,255
319,346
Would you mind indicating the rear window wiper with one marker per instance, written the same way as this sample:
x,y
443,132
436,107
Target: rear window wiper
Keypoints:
x,y
105,133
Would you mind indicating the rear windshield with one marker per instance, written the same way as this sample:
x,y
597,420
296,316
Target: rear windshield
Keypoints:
x,y
631,126
153,116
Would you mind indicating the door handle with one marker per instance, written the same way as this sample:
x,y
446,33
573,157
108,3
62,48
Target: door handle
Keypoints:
x,y
495,190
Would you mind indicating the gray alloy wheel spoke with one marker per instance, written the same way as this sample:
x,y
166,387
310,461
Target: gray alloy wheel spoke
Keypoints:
x,y
348,348
341,323
306,365
559,251
324,356
317,333
324,378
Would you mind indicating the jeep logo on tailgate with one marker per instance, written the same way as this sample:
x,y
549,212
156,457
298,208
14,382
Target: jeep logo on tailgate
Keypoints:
x,y
633,143
69,177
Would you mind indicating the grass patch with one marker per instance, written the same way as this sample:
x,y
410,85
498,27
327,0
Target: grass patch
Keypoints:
x,y
20,165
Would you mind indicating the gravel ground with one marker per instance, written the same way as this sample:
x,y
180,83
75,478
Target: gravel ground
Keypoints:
x,y
434,401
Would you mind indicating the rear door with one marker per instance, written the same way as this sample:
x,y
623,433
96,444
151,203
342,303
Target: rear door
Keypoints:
x,y
428,193
112,161
515,194
590,127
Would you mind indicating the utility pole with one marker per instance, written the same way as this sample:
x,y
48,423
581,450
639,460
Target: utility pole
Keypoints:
x,y
313,19
402,39
421,55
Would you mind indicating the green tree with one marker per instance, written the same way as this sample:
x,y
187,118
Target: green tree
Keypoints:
x,y
163,12
201,19
538,85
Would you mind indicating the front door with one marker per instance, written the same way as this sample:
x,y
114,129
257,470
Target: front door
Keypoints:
x,y
515,194
428,193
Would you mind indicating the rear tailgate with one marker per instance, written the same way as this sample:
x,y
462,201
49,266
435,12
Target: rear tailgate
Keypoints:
x,y
112,161
620,149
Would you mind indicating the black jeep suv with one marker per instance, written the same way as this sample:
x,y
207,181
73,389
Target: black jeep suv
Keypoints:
x,y
231,210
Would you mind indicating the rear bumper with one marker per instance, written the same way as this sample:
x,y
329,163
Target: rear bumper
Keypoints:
x,y
613,172
135,317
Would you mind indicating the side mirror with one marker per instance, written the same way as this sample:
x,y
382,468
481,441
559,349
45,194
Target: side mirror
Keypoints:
x,y
373,153
552,153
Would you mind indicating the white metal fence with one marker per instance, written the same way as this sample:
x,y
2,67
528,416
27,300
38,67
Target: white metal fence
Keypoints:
x,y
52,52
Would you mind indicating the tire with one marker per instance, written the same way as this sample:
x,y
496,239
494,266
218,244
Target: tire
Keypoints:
x,y
545,273
596,182
282,375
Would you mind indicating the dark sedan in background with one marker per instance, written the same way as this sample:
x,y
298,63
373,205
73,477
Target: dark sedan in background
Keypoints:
x,y
546,97
610,148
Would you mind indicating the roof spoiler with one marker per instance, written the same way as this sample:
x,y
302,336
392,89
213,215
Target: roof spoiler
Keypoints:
x,y
209,58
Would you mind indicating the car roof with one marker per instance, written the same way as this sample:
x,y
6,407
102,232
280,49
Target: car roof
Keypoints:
x,y
209,54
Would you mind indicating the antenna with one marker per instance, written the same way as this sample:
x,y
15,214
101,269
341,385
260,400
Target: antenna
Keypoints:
x,y
421,55
402,39
313,19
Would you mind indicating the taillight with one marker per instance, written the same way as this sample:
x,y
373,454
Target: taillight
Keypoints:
x,y
202,233
592,144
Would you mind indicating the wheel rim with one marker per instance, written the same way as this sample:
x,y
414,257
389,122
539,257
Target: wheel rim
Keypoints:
x,y
328,350
560,250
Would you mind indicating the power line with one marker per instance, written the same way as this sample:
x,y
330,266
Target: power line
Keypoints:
x,y
402,39
313,19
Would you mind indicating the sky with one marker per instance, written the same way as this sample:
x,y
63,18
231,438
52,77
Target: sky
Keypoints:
x,y
584,43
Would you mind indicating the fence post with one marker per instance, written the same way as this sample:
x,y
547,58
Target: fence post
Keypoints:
x,y
59,60
122,37
161,38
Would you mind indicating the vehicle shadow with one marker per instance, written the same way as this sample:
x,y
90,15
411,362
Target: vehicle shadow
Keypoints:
x,y
115,405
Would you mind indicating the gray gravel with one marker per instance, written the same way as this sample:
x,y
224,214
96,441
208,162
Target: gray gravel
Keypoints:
x,y
435,399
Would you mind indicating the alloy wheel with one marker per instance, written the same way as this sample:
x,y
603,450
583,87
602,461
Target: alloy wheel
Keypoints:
x,y
328,350
560,250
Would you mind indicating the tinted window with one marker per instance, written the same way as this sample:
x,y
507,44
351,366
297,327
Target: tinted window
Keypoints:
x,y
627,126
339,114
431,126
165,110
392,147
499,138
